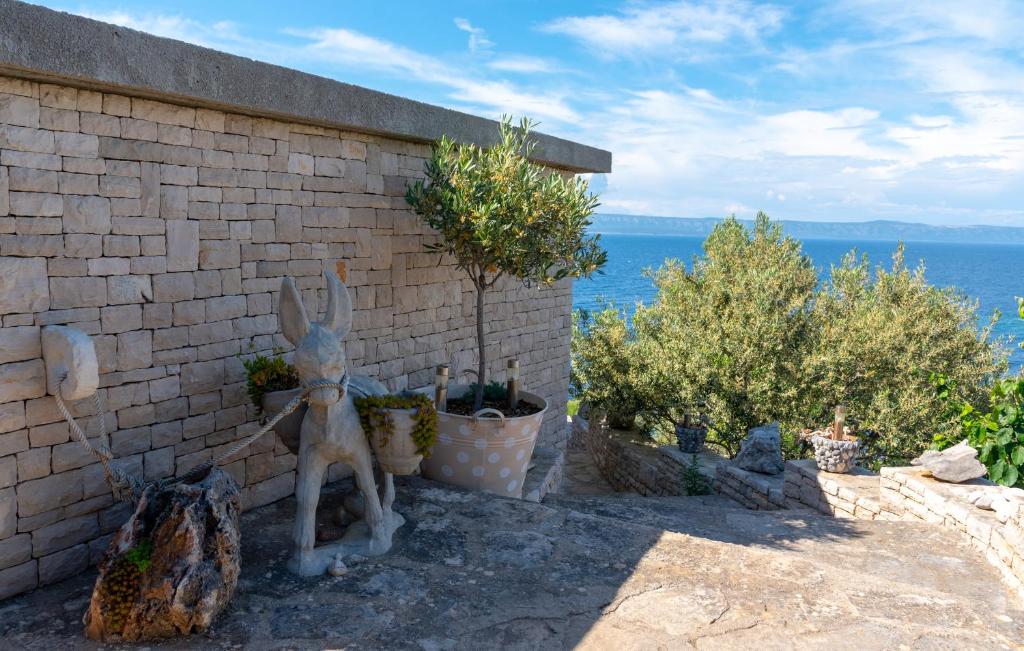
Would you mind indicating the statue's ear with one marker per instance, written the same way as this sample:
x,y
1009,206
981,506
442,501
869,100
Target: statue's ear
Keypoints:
x,y
292,313
338,318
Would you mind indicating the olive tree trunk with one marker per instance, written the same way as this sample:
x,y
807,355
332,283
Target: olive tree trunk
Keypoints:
x,y
481,368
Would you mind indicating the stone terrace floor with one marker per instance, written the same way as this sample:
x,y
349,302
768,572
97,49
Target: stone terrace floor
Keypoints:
x,y
470,571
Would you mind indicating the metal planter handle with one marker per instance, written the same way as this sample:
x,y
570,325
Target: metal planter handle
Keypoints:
x,y
488,410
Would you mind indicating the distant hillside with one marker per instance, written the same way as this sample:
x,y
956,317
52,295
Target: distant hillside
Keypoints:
x,y
889,231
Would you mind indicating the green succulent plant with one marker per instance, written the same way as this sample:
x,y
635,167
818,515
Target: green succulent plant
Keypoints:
x,y
374,415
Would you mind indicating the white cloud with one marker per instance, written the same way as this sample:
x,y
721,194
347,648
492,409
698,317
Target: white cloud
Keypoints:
x,y
341,48
477,36
525,64
350,48
663,29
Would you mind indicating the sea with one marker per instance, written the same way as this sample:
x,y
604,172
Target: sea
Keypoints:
x,y
991,273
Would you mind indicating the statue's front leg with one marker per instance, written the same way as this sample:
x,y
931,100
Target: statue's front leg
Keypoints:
x,y
388,497
311,467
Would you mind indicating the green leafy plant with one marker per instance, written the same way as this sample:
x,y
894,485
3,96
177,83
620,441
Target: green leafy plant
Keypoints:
x,y
492,391
140,554
266,374
499,214
607,369
374,415
997,432
693,480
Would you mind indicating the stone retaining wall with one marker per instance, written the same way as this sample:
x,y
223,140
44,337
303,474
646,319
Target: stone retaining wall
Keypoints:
x,y
661,471
163,231
624,465
850,495
1000,537
751,489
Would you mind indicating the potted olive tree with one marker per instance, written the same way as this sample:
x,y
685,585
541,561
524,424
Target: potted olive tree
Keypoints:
x,y
499,215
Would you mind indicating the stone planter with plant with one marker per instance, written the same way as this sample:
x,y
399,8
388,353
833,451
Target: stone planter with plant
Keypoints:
x,y
271,383
835,448
691,433
500,215
402,429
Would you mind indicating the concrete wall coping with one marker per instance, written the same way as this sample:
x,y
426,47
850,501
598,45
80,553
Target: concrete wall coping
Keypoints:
x,y
44,45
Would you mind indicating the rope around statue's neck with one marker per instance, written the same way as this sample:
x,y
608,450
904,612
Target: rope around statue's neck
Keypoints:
x,y
128,488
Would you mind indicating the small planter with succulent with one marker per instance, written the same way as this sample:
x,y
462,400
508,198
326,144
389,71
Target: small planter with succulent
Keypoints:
x,y
835,447
402,429
271,383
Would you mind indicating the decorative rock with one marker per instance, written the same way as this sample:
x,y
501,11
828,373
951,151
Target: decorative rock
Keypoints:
x,y
337,568
956,464
71,365
1004,501
173,567
761,451
833,455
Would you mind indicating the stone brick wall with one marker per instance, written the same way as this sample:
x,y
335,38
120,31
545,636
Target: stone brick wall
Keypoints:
x,y
751,489
163,232
999,536
641,469
854,495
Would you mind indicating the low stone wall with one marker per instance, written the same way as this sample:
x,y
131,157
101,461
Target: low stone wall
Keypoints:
x,y
911,495
624,465
853,495
751,489
545,475
661,471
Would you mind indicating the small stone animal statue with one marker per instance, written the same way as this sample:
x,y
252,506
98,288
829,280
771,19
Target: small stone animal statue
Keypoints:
x,y
330,433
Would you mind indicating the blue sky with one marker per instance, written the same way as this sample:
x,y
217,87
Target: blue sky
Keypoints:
x,y
847,110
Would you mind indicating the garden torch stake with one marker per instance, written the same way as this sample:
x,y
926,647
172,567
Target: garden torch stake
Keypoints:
x,y
513,383
441,388
837,428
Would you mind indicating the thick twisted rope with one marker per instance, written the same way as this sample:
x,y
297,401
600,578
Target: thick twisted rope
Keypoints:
x,y
123,485
128,488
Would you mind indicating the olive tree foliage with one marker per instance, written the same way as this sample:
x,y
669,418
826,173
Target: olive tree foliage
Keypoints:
x,y
880,336
608,371
729,335
499,214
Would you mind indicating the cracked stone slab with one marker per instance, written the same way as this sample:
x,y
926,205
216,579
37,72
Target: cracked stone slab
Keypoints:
x,y
473,571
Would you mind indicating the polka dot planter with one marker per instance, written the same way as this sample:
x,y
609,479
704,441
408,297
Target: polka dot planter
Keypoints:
x,y
484,453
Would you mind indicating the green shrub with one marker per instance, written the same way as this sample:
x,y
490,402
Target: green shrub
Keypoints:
x,y
879,337
731,334
746,336
693,481
606,367
997,433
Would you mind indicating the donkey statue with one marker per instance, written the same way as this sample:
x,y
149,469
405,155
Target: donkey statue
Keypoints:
x,y
331,432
